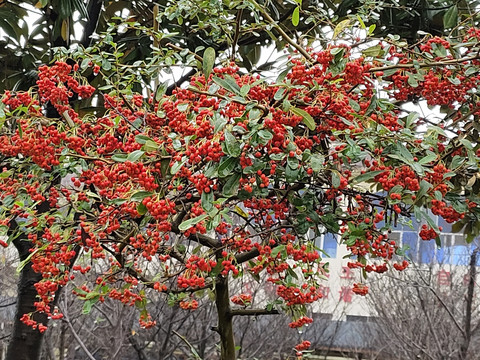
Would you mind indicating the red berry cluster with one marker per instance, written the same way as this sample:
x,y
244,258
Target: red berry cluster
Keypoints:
x,y
360,289
300,322
242,299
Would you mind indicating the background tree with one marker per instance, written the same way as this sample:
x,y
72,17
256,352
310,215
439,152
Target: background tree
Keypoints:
x,y
444,297
34,28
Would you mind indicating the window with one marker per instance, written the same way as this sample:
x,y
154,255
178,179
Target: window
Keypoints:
x,y
327,242
453,251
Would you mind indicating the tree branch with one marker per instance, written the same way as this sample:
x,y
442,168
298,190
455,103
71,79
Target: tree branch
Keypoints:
x,y
258,106
253,312
287,38
425,64
76,336
178,48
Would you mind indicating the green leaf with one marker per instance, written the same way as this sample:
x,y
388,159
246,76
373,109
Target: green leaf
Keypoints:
x,y
429,158
458,226
177,166
307,118
141,209
412,80
207,201
228,83
302,224
161,90
84,63
292,162
457,161
402,154
150,145
142,139
182,107
20,130
106,65
454,80
410,119
231,186
296,16
316,162
119,157
22,264
227,164
232,146
219,122
118,201
279,94
276,250
450,19
335,179
140,195
366,176
187,224
87,306
208,61
291,175
244,90
362,24
373,51
468,145
424,187
471,70
135,155
341,26
265,134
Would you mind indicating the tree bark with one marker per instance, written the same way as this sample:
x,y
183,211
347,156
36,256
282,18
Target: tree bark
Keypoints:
x,y
26,343
225,323
469,302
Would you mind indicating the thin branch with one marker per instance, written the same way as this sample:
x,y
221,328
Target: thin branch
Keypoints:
x,y
238,21
180,81
287,38
447,309
178,48
253,312
7,305
76,336
192,349
425,64
91,158
258,106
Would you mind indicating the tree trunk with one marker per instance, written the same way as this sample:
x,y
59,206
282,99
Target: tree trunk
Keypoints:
x,y
25,342
469,302
225,323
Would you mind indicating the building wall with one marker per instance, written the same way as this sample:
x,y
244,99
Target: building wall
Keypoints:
x,y
452,257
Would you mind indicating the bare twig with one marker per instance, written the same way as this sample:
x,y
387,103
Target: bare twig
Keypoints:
x,y
75,335
178,48
201,92
287,38
192,349
425,64
253,312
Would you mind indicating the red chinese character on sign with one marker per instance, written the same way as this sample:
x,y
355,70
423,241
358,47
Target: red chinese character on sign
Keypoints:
x,y
346,294
346,273
324,290
444,278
